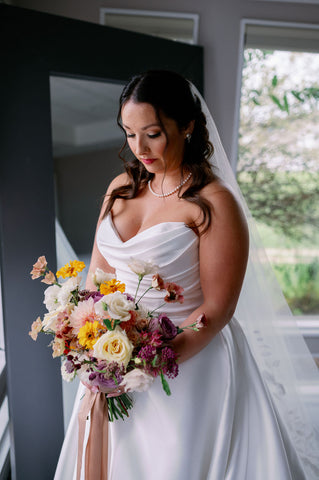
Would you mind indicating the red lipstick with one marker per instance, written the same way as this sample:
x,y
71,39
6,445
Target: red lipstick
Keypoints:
x,y
148,161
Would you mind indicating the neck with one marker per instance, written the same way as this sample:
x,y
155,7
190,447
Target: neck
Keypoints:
x,y
169,179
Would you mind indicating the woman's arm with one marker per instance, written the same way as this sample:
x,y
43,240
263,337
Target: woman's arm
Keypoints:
x,y
223,253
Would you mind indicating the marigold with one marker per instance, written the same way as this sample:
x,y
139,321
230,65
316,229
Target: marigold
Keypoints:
x,y
90,333
71,269
112,286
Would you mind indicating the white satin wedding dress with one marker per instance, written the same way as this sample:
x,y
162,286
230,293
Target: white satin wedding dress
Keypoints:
x,y
220,422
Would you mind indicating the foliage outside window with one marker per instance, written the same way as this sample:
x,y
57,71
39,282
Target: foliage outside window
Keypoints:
x,y
278,166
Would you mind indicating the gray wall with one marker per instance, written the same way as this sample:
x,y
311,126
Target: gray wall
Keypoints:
x,y
219,33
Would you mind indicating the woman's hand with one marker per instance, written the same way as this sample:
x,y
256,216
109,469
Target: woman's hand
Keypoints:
x,y
119,390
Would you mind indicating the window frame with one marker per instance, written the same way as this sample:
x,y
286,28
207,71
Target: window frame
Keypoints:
x,y
310,327
154,13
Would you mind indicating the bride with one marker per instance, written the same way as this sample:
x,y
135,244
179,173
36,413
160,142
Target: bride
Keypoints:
x,y
171,206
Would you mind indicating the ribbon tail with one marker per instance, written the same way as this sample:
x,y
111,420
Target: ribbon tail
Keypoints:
x,y
96,455
96,461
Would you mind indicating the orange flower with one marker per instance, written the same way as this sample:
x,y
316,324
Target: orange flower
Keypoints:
x,y
71,269
39,268
112,286
129,324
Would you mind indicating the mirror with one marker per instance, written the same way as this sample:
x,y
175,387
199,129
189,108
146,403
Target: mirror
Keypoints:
x,y
85,143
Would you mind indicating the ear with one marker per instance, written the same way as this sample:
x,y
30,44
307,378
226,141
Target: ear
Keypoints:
x,y
190,127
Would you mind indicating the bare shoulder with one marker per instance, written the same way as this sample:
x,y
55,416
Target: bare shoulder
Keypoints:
x,y
219,194
225,206
119,181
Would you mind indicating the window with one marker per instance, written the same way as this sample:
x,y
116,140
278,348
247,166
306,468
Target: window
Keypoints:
x,y
278,156
181,27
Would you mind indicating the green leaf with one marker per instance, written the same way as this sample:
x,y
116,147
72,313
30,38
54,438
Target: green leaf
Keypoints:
x,y
107,322
165,384
111,324
277,102
298,96
286,105
274,81
154,361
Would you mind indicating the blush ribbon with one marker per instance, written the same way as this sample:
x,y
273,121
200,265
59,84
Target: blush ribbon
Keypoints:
x,y
97,445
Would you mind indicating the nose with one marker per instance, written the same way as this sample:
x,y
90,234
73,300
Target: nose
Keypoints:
x,y
141,145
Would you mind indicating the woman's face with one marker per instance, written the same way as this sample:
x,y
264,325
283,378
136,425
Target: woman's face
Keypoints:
x,y
147,139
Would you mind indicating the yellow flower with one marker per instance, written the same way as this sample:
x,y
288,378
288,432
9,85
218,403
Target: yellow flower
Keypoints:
x,y
71,269
89,334
112,286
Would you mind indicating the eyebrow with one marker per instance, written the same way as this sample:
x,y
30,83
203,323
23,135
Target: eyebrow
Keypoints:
x,y
146,126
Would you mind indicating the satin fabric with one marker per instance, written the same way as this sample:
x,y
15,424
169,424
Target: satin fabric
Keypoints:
x,y
220,422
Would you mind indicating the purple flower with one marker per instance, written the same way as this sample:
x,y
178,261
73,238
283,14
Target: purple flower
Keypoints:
x,y
164,325
129,297
69,366
147,353
86,294
168,362
103,383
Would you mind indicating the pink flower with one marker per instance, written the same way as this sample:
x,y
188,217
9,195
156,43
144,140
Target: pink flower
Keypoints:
x,y
157,282
58,347
201,321
174,293
63,327
39,268
35,328
82,313
156,339
49,278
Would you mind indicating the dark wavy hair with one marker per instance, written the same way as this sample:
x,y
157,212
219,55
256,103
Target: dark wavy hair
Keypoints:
x,y
170,94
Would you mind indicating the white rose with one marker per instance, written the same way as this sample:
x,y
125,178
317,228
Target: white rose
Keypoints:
x,y
114,346
99,276
142,268
51,298
118,306
137,381
64,294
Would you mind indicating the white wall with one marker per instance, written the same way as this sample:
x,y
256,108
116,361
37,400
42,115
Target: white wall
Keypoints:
x,y
219,33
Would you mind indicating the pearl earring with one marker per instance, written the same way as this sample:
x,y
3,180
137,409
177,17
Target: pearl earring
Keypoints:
x,y
188,137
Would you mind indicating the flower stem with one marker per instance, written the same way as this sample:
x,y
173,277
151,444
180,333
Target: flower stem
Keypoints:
x,y
160,306
138,286
147,290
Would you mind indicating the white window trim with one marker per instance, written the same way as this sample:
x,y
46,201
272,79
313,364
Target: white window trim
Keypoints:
x,y
152,13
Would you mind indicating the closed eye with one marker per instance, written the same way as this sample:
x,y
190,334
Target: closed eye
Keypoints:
x,y
154,135
150,135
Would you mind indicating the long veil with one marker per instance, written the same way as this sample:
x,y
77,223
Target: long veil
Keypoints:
x,y
279,349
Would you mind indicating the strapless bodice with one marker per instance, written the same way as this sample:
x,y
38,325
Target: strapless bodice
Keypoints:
x,y
172,246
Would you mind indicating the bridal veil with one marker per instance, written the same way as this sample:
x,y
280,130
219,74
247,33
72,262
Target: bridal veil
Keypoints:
x,y
280,350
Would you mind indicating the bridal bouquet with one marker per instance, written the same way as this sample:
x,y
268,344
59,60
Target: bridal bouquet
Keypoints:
x,y
107,337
